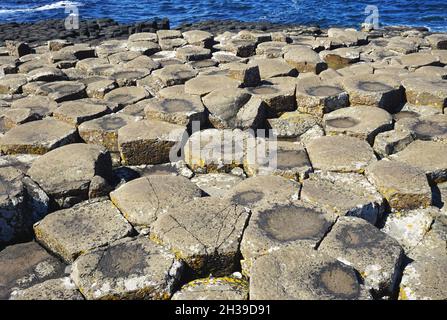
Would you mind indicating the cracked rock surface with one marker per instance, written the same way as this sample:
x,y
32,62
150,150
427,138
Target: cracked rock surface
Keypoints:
x,y
290,162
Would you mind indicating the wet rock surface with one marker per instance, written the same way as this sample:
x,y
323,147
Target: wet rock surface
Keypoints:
x,y
221,161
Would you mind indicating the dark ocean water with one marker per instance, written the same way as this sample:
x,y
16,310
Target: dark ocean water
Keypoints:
x,y
429,13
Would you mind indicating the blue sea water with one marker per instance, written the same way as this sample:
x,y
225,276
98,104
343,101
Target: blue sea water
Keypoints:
x,y
428,13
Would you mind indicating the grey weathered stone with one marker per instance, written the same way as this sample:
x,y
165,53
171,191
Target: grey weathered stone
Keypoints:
x,y
303,274
227,288
402,185
181,110
264,190
104,131
340,154
72,232
61,91
410,227
216,184
343,194
204,233
12,83
202,85
424,277
304,59
278,97
318,97
37,137
79,111
390,142
127,269
66,173
144,47
428,156
293,124
143,200
362,122
269,68
382,91
148,141
377,256
248,75
277,226
175,74
126,96
421,91
54,289
224,105
24,265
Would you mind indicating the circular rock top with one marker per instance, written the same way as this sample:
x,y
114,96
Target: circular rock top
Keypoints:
x,y
360,121
340,154
304,274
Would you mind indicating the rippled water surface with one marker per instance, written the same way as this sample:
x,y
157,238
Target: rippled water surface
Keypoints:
x,y
430,13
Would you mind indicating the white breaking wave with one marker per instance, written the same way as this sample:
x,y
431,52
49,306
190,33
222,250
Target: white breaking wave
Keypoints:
x,y
51,6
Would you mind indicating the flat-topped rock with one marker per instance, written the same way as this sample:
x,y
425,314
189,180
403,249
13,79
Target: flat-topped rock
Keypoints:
x,y
277,97
148,141
22,203
390,142
413,61
432,71
203,85
241,47
428,156
216,184
66,173
127,269
54,289
182,110
305,274
343,194
382,91
169,34
269,68
340,154
362,122
215,150
410,227
293,124
104,131
426,92
145,47
347,37
227,288
192,53
423,277
318,97
37,137
126,96
291,162
175,74
377,256
224,106
142,200
341,57
79,111
277,226
199,38
437,41
264,190
47,74
304,59
39,105
72,232
12,83
143,36
402,185
98,89
24,265
204,233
